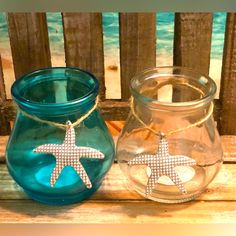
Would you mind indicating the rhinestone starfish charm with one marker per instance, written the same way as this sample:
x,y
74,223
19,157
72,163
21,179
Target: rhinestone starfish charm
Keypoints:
x,y
68,154
162,164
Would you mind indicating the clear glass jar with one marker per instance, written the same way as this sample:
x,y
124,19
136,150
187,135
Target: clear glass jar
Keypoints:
x,y
58,95
172,108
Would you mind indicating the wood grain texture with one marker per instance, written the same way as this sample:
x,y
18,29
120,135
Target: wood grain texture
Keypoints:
x,y
115,203
227,124
4,123
27,211
115,127
137,46
114,109
2,86
8,108
29,42
110,109
192,40
229,147
83,40
3,143
114,187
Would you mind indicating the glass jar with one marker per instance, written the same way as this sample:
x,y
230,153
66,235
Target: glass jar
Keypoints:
x,y
169,148
47,99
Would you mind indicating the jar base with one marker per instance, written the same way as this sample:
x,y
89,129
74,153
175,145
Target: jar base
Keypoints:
x,y
171,201
62,200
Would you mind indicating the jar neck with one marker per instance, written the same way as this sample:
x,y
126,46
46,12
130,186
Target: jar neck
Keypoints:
x,y
61,121
57,91
173,89
172,98
168,120
57,110
170,108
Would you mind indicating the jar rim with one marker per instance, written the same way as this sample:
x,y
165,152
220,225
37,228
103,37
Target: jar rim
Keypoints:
x,y
163,70
38,107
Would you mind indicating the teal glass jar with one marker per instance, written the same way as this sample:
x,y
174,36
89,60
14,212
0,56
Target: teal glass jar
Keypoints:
x,y
53,155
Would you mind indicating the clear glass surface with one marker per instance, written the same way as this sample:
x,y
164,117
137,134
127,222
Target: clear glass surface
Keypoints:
x,y
167,99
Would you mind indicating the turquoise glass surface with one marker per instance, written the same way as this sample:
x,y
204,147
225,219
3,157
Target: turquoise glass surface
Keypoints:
x,y
57,95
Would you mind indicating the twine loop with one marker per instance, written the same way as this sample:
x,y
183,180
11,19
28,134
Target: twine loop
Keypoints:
x,y
68,123
161,134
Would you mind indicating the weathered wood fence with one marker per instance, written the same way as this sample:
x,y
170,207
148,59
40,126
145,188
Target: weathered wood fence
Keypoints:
x,y
83,39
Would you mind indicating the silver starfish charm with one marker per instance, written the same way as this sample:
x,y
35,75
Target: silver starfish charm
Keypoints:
x,y
161,164
68,154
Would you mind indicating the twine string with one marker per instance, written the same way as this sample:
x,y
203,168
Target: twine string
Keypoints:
x,y
159,133
59,125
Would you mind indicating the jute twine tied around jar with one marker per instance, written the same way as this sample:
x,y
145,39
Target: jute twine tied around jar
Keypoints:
x,y
59,125
161,134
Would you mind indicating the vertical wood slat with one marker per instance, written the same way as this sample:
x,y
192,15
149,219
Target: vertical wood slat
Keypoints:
x,y
83,38
29,42
192,40
227,124
4,124
137,46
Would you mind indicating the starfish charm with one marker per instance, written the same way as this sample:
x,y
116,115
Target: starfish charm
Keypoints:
x,y
68,154
161,164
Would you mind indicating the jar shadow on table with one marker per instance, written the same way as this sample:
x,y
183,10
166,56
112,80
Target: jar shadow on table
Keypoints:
x,y
30,208
134,209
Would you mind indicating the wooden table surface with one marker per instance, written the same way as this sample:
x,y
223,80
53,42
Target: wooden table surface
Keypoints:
x,y
114,203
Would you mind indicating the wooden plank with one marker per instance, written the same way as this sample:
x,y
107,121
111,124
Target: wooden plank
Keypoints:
x,y
83,40
229,147
3,143
29,42
4,123
8,108
137,46
118,212
114,203
115,127
110,109
227,123
192,40
217,110
114,109
114,187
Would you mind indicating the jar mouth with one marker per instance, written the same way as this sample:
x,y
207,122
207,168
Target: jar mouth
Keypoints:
x,y
55,90
173,87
